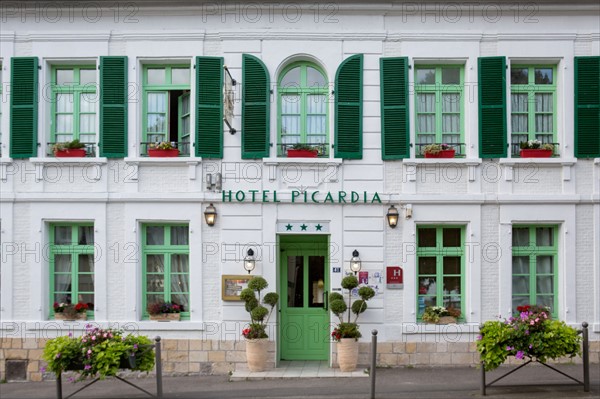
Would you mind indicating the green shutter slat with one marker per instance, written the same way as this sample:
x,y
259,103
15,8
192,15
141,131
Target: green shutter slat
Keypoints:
x,y
255,108
492,107
113,107
23,107
348,108
587,107
209,110
395,138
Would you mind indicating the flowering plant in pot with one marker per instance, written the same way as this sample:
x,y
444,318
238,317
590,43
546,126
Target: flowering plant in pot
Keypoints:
x,y
439,151
440,314
530,333
69,311
535,149
255,334
300,150
69,149
163,149
164,311
98,352
346,333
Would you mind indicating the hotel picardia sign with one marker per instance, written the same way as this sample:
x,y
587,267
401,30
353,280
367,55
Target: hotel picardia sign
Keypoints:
x,y
303,197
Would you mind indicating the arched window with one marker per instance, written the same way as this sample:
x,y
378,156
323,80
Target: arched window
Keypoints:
x,y
303,109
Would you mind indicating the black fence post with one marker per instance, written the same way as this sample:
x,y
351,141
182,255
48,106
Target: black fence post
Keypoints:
x,y
373,361
482,378
157,353
586,357
58,386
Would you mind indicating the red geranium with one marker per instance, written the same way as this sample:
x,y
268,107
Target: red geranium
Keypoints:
x,y
81,307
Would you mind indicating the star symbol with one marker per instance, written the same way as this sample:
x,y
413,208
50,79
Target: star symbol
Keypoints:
x,y
288,227
318,227
303,227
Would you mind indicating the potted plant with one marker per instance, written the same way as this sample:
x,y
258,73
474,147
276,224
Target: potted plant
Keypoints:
x,y
440,315
535,149
530,333
439,151
98,352
302,151
69,311
165,311
347,333
69,149
163,149
255,334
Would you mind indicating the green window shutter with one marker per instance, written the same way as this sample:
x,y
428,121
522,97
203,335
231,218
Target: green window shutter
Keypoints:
x,y
209,107
113,107
348,108
395,134
255,108
492,107
587,107
23,107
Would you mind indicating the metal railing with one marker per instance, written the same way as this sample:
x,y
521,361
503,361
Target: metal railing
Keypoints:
x,y
459,148
323,149
183,147
90,149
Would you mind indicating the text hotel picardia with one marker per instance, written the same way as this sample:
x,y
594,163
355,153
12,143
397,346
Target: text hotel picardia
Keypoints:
x,y
317,197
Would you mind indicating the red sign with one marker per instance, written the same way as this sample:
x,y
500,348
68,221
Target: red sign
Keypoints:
x,y
363,277
395,277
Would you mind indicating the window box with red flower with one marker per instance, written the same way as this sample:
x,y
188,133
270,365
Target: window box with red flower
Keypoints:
x,y
165,311
69,311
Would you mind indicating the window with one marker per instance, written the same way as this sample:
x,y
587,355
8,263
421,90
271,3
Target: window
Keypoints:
x,y
165,265
74,102
533,104
72,265
439,107
440,267
534,256
167,106
303,108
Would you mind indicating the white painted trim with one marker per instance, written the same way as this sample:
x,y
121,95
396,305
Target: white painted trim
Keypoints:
x,y
445,329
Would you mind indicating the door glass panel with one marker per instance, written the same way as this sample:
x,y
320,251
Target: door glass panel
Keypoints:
x,y
295,283
451,237
427,265
316,280
426,237
451,264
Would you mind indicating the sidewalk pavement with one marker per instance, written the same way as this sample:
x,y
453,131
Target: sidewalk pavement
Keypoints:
x,y
397,383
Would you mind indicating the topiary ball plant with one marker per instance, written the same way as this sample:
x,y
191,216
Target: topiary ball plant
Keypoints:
x,y
259,315
337,304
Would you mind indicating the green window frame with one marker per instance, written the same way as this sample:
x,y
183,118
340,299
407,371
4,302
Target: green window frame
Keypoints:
x,y
165,266
305,112
72,264
440,267
439,107
530,119
534,266
74,103
163,96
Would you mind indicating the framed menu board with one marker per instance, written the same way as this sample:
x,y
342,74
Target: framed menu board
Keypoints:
x,y
232,286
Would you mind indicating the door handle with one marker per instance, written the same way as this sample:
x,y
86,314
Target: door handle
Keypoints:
x,y
326,300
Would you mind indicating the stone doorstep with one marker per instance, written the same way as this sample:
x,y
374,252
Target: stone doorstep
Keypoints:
x,y
296,369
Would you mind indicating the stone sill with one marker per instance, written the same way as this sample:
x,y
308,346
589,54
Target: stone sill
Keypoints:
x,y
17,327
74,161
425,161
179,161
451,329
540,161
304,161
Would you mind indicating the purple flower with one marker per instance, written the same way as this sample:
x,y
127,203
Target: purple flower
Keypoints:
x,y
530,346
70,335
519,355
42,369
135,346
526,332
509,348
87,367
57,356
479,338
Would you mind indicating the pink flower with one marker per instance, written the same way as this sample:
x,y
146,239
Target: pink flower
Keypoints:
x,y
519,355
94,337
532,322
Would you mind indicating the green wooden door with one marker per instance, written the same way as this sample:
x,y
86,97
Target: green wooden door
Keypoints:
x,y
304,327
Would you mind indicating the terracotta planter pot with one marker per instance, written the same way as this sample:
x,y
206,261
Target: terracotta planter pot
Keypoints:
x,y
64,316
447,320
441,154
156,153
71,153
256,354
302,153
166,317
535,153
347,354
